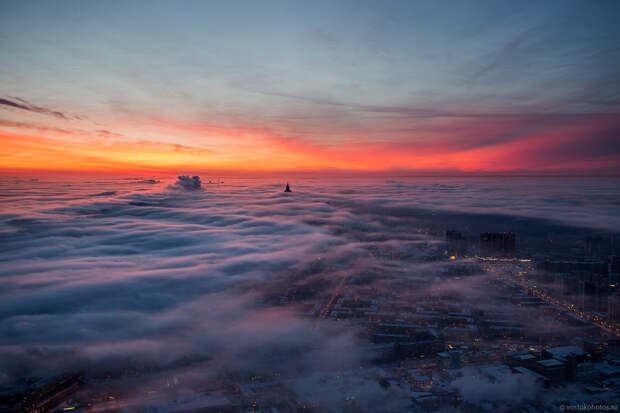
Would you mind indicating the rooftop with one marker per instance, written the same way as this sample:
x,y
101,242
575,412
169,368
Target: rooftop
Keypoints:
x,y
561,353
549,363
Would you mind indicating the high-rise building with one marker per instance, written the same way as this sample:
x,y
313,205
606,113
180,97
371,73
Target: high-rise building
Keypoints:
x,y
497,244
614,264
456,244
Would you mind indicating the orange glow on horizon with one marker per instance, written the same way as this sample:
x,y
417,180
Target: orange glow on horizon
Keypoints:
x,y
27,151
189,147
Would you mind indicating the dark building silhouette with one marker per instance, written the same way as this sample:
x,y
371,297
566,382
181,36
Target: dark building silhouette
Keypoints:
x,y
593,245
497,244
614,264
288,188
587,283
456,243
452,235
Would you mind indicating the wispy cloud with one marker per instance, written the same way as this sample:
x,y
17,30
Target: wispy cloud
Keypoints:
x,y
19,103
28,126
422,112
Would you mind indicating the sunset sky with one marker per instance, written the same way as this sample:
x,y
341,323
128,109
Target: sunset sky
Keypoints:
x,y
190,86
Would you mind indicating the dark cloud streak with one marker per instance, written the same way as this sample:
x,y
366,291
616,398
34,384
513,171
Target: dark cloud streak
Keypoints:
x,y
25,105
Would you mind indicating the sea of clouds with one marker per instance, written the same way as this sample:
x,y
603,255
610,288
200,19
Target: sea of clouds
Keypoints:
x,y
102,275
